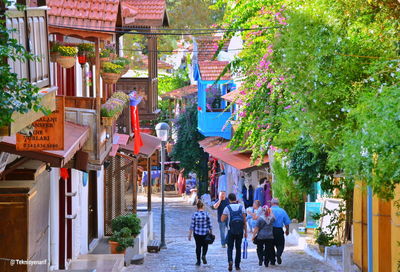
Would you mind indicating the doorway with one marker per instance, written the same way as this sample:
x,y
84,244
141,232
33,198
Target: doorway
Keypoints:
x,y
92,207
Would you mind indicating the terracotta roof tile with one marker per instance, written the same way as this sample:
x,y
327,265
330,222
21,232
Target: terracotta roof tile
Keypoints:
x,y
220,150
83,13
144,11
207,46
234,96
181,92
211,70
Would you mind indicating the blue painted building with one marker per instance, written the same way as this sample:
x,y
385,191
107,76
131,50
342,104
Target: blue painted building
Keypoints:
x,y
212,114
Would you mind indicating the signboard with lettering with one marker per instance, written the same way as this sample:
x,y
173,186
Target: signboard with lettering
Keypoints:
x,y
48,132
312,208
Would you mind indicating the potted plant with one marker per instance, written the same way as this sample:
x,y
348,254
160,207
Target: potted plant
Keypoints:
x,y
83,51
130,221
111,72
104,56
111,110
124,62
323,240
111,48
67,56
54,51
120,241
121,96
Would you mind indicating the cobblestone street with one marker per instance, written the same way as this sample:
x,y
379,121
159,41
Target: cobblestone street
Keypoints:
x,y
180,253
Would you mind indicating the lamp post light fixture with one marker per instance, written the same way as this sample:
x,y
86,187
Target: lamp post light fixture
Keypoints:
x,y
162,130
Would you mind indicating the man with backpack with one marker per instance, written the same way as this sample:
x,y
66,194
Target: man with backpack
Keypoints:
x,y
235,214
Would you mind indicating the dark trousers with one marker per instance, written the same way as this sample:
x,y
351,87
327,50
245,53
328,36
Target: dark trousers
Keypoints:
x,y
279,241
266,251
234,240
200,244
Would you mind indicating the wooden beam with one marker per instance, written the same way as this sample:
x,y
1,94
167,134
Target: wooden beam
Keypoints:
x,y
134,188
12,166
98,102
149,184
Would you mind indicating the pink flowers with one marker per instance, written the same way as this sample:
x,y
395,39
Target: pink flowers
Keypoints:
x,y
242,114
287,107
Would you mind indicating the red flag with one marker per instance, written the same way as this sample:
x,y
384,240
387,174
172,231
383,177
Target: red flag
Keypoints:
x,y
138,143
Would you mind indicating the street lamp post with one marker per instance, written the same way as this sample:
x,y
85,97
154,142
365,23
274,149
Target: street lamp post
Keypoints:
x,y
162,130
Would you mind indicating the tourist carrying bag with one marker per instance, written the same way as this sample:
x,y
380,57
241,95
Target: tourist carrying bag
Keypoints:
x,y
210,238
245,246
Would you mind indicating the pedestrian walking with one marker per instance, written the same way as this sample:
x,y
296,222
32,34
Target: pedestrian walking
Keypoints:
x,y
253,213
220,205
200,227
235,215
263,237
281,219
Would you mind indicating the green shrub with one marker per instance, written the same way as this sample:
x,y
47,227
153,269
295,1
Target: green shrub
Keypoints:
x,y
323,239
130,221
109,67
67,51
123,238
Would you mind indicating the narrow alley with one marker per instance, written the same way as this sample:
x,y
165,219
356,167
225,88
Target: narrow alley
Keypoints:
x,y
180,255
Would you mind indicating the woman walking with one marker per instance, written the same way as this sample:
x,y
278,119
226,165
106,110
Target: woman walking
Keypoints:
x,y
200,226
264,238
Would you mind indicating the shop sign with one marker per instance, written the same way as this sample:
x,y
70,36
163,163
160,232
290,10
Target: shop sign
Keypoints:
x,y
48,131
312,209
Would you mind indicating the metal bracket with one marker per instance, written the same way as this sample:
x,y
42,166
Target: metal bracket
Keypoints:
x,y
70,194
70,216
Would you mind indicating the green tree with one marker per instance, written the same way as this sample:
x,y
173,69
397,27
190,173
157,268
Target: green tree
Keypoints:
x,y
187,149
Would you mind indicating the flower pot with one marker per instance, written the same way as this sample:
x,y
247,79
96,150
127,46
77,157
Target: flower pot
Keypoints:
x,y
322,249
54,56
113,248
103,60
108,121
66,61
125,70
110,78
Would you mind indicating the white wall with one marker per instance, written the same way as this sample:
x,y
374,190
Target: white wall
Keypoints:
x,y
100,202
54,216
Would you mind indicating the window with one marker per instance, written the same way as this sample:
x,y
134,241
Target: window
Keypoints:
x,y
31,32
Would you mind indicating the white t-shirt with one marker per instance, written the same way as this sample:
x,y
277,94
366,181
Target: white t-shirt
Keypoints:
x,y
234,207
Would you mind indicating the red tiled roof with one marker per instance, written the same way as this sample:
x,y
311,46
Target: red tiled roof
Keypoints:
x,y
103,14
207,46
181,92
234,96
144,63
211,70
146,12
221,151
98,14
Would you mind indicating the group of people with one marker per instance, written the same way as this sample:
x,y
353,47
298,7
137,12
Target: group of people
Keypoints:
x,y
266,224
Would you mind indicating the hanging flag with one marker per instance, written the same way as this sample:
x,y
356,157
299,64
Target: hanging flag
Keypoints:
x,y
134,102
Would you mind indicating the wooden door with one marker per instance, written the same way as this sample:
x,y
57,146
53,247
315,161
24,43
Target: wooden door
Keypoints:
x,y
92,206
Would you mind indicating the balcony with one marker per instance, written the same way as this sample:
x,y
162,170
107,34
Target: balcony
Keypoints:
x,y
82,111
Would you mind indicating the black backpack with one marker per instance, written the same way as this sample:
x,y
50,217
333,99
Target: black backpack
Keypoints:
x,y
236,221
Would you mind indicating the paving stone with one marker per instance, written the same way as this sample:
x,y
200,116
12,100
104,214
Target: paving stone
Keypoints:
x,y
180,253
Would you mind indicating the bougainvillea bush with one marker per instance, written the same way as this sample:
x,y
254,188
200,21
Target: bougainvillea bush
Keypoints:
x,y
311,68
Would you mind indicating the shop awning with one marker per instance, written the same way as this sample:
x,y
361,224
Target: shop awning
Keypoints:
x,y
75,137
234,97
239,160
150,145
